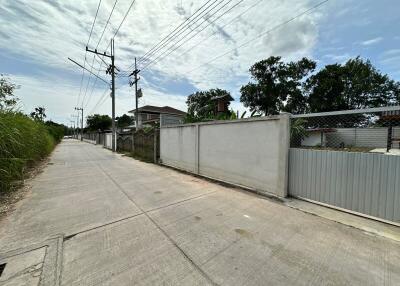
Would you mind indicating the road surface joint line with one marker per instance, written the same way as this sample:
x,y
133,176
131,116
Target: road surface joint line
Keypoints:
x,y
69,236
182,201
160,229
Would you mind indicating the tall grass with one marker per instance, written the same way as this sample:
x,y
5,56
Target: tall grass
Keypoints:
x,y
23,142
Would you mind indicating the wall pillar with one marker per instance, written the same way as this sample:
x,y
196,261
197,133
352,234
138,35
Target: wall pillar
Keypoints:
x,y
197,150
284,138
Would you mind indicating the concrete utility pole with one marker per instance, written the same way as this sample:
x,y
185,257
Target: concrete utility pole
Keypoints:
x,y
111,70
77,124
73,127
135,82
81,109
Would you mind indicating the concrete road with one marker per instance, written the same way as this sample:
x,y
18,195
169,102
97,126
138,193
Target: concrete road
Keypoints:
x,y
125,222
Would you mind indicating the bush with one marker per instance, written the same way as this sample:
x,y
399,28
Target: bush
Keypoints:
x,y
55,130
23,142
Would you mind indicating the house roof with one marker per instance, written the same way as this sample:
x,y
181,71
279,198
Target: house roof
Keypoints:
x,y
160,110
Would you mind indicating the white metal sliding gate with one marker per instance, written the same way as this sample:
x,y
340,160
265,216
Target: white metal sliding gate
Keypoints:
x,y
357,174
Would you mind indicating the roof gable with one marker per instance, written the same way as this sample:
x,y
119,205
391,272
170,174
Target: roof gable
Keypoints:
x,y
158,109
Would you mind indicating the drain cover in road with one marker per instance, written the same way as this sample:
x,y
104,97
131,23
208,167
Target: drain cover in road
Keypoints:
x,y
37,265
23,269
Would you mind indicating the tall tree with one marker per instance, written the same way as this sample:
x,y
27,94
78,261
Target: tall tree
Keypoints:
x,y
7,98
356,84
98,122
124,120
277,86
39,114
325,90
200,104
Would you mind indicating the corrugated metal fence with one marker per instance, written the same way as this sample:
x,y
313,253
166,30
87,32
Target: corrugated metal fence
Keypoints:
x,y
362,182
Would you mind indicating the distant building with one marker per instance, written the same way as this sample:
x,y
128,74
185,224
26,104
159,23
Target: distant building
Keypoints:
x,y
158,116
316,137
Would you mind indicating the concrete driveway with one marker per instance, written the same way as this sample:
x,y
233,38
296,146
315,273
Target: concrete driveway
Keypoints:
x,y
97,218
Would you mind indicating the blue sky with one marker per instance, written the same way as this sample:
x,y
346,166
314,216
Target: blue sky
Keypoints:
x,y
37,37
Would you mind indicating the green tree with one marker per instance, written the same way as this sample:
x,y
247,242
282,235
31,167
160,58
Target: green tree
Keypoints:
x,y
7,98
39,114
277,86
326,90
356,84
98,122
201,106
124,120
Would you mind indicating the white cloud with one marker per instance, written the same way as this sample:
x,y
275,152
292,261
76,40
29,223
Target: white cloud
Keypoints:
x,y
372,41
42,91
335,58
48,31
391,52
391,59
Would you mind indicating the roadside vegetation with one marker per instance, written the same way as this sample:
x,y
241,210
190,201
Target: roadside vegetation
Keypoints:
x,y
24,140
300,87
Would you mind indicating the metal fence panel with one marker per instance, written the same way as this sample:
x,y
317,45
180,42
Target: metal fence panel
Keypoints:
x,y
367,183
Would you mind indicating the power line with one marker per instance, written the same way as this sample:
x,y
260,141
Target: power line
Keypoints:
x,y
94,21
123,20
197,44
177,47
78,64
116,32
94,84
182,30
262,34
84,63
166,37
104,101
108,21
98,43
185,28
101,98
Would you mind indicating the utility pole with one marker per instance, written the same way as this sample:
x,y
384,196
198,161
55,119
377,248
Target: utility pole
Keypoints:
x,y
111,70
135,82
77,124
73,127
81,109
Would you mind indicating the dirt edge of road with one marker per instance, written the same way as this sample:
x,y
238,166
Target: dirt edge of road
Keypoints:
x,y
10,199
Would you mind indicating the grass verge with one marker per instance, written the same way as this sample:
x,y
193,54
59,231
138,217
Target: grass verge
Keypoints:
x,y
23,142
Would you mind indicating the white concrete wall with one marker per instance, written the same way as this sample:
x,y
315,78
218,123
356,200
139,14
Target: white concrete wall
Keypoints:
x,y
178,147
375,137
248,152
108,140
313,139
